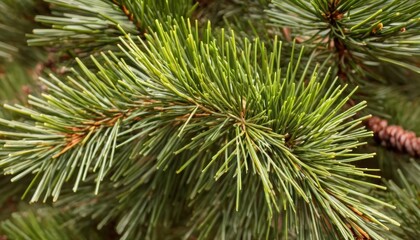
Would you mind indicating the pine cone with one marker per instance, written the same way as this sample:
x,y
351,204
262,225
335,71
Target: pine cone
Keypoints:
x,y
394,137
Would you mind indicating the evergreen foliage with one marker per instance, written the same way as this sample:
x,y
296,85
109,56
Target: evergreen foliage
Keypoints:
x,y
236,119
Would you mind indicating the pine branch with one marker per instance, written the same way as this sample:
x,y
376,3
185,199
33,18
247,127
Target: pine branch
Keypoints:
x,y
86,25
81,24
360,34
222,116
366,32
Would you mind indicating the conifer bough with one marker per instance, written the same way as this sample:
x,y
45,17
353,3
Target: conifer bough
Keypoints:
x,y
232,120
363,32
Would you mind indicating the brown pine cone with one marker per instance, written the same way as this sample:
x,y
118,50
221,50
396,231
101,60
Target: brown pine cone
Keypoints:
x,y
394,137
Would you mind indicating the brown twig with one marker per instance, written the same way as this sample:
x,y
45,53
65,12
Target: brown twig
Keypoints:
x,y
79,134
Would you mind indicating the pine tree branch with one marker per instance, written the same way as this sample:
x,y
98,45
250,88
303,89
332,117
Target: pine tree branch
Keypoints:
x,y
80,24
87,25
372,31
206,134
344,36
195,102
